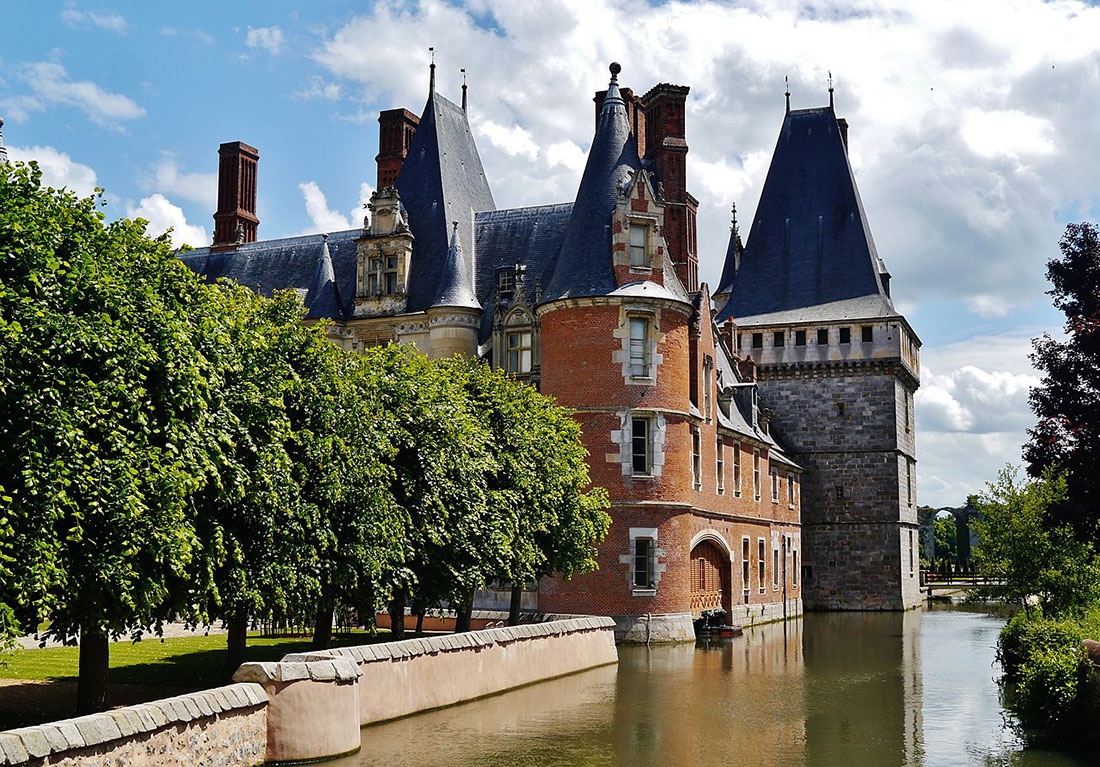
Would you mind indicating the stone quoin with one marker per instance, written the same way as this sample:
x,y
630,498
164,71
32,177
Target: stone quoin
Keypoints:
x,y
757,444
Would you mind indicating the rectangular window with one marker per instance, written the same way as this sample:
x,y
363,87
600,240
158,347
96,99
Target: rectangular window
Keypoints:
x,y
909,481
761,565
906,404
794,568
708,367
720,465
639,347
506,283
639,445
822,336
745,571
756,474
800,338
639,252
777,338
839,492
643,563
518,359
846,335
737,469
775,568
868,333
696,459
740,340
775,484
910,553
757,340
790,490
390,275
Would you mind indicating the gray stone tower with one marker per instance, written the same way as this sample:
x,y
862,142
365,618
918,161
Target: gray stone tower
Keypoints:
x,y
810,299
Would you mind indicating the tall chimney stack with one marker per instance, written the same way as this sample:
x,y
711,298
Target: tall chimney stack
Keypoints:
x,y
396,128
666,147
235,221
842,124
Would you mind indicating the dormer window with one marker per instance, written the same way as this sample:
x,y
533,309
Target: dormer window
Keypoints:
x,y
382,276
639,246
506,283
518,353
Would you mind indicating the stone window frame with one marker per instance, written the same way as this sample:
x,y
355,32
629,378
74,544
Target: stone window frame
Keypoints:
x,y
822,336
737,469
696,458
762,565
757,340
518,320
654,338
773,475
775,567
635,420
757,480
779,339
506,281
746,566
845,336
720,464
790,490
866,334
651,225
708,388
623,437
794,566
657,567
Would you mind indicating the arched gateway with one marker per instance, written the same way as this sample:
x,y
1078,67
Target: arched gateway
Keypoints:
x,y
710,574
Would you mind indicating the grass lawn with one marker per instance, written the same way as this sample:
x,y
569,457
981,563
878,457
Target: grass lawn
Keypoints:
x,y
140,671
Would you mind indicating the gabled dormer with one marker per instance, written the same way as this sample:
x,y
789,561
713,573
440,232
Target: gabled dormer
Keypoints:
x,y
638,247
385,257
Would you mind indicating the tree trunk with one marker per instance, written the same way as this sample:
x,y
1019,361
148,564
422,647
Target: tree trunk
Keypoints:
x,y
420,619
397,614
95,669
322,626
237,625
515,604
463,613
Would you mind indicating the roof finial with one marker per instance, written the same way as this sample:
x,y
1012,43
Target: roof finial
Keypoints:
x,y
463,70
615,69
733,219
431,79
830,88
787,92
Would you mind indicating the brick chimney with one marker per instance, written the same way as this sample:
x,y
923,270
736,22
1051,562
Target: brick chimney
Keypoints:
x,y
666,147
747,368
235,221
727,331
635,113
843,125
396,128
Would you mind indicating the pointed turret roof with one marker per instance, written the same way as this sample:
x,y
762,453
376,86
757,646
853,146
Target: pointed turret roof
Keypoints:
x,y
584,265
734,251
810,243
457,283
441,181
323,296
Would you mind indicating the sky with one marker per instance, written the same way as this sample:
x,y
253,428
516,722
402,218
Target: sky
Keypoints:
x,y
973,136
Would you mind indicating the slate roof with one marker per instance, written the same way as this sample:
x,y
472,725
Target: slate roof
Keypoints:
x,y
810,243
457,282
291,263
584,264
441,181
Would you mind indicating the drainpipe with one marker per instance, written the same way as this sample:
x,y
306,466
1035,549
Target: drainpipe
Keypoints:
x,y
785,577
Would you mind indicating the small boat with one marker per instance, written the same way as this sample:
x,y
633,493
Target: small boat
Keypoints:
x,y
726,631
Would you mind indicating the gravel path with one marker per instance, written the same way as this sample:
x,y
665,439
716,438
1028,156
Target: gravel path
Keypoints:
x,y
171,630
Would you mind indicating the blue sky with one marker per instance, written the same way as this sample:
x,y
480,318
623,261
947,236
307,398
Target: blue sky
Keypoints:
x,y
973,135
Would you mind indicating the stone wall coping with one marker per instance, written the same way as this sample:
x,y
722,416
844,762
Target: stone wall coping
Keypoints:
x,y
298,666
409,648
20,745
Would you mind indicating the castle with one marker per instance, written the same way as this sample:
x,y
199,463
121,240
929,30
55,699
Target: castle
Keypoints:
x,y
757,444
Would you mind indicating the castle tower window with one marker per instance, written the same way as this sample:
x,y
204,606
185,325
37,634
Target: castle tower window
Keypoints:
x,y
761,565
518,358
756,474
390,275
800,338
696,459
639,445
778,338
720,465
737,469
822,336
639,347
846,335
745,570
643,563
757,340
639,246
775,484
868,332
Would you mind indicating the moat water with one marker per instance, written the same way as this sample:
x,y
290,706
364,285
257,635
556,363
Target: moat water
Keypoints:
x,y
848,689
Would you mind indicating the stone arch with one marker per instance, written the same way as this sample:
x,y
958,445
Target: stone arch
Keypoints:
x,y
711,566
712,535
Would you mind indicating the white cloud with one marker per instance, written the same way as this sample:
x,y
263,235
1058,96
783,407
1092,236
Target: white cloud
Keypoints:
x,y
974,400
50,85
319,89
324,219
76,18
198,34
1006,132
166,177
59,170
514,141
269,39
162,215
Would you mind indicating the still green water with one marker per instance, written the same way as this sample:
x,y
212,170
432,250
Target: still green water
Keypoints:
x,y
830,689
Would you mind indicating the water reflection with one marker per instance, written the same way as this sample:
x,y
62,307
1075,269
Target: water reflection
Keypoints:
x,y
882,689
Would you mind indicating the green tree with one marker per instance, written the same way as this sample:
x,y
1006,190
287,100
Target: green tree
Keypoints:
x,y
1032,557
946,535
1067,435
105,418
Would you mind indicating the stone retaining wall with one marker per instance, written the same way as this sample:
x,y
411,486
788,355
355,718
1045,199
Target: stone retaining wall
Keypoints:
x,y
402,678
225,726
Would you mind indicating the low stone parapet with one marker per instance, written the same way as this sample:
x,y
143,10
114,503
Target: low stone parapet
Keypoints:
x,y
414,675
225,726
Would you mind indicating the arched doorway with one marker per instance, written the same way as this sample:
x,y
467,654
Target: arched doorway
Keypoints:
x,y
710,577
